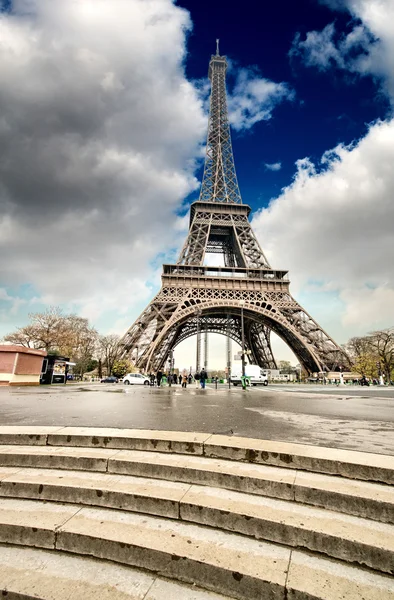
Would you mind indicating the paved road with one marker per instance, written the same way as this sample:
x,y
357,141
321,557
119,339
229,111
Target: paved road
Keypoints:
x,y
350,417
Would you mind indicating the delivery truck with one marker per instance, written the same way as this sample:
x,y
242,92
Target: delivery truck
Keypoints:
x,y
256,374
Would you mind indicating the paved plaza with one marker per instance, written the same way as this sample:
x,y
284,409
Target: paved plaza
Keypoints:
x,y
350,417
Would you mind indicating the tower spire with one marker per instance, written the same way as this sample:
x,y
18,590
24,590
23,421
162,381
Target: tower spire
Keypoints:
x,y
220,179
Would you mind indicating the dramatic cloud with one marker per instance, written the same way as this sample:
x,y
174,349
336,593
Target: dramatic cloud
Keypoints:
x,y
333,229
99,131
368,49
273,166
253,98
101,134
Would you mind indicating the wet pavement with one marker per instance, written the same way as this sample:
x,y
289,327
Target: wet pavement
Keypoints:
x,y
350,417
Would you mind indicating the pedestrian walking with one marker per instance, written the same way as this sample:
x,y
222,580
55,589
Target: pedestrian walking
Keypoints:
x,y
203,378
197,379
159,377
152,379
184,380
180,379
175,378
189,378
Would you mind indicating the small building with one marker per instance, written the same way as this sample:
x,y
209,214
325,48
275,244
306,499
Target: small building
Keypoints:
x,y
20,365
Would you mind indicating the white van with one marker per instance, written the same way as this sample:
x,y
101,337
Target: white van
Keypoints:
x,y
257,375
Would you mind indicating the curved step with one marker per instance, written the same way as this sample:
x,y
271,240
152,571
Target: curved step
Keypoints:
x,y
348,538
49,575
226,563
365,499
347,463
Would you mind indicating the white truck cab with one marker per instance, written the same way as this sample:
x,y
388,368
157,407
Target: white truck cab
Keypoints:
x,y
256,374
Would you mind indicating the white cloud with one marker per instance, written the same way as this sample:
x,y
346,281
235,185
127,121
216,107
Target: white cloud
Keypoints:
x,y
253,98
368,49
376,306
273,166
336,218
99,131
4,295
325,49
333,226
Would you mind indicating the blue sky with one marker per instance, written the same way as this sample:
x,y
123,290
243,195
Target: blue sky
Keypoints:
x,y
328,108
102,132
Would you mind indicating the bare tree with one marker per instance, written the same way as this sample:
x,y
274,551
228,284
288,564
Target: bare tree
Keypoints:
x,y
373,353
382,343
23,336
43,332
51,330
362,354
109,351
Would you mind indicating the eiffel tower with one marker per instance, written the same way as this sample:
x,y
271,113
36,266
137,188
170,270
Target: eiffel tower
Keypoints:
x,y
195,297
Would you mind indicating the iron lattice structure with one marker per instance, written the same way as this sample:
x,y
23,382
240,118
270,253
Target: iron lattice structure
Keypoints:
x,y
195,297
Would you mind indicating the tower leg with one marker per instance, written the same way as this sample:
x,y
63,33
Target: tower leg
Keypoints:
x,y
260,344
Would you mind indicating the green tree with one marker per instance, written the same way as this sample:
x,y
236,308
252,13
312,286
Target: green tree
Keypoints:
x,y
122,366
285,367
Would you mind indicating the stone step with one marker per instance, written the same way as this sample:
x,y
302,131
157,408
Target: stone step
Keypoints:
x,y
347,463
226,563
51,575
365,499
348,538
360,498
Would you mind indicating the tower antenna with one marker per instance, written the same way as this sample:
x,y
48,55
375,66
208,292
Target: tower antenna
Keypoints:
x,y
217,47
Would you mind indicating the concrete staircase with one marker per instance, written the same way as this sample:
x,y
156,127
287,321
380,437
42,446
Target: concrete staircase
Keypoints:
x,y
130,514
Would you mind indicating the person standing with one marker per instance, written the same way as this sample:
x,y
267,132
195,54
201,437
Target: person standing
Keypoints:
x,y
159,376
180,379
189,378
203,378
152,379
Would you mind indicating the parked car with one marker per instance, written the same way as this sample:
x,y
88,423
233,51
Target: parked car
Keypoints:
x,y
136,379
110,380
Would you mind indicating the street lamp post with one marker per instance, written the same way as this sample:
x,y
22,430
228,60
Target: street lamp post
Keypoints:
x,y
341,382
198,348
242,304
381,380
171,362
228,351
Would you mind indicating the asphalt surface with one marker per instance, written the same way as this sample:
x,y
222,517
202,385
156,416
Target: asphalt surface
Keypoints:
x,y
356,418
